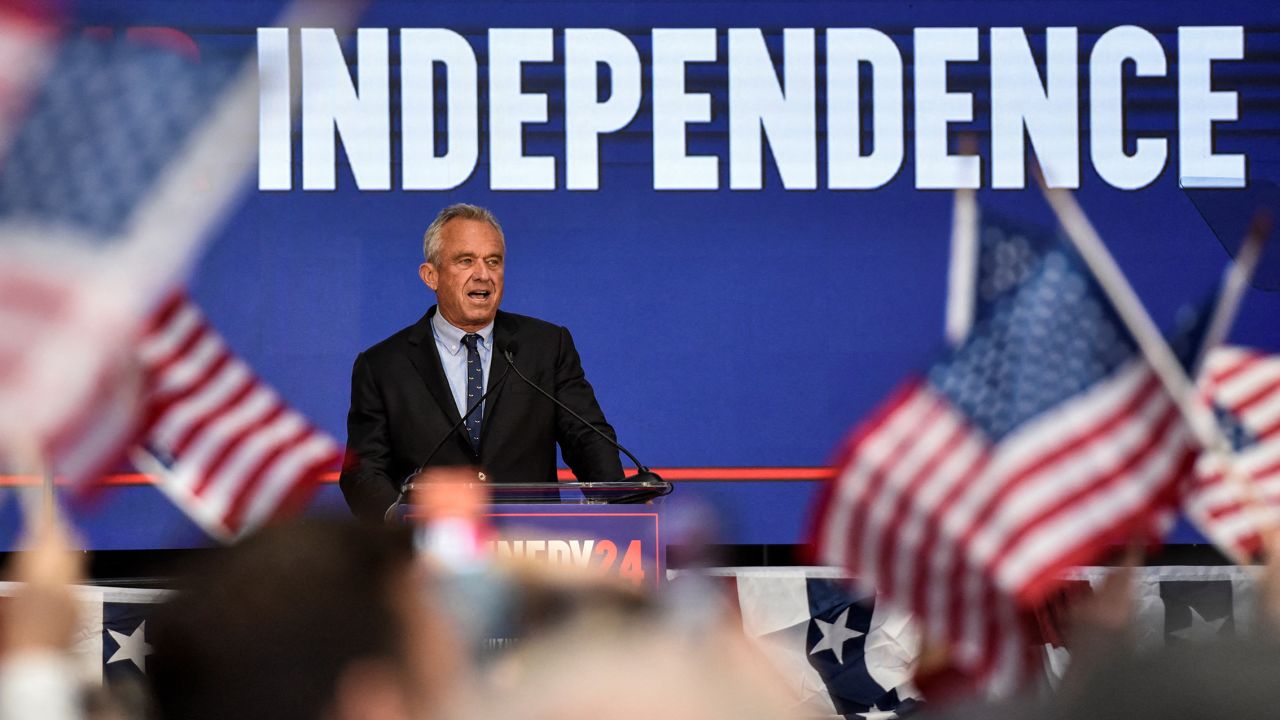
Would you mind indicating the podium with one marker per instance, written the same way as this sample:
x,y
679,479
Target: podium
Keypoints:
x,y
614,528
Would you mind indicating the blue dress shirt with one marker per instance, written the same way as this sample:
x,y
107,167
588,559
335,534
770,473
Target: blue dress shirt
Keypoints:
x,y
453,356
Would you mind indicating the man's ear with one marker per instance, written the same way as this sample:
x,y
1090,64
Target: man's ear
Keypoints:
x,y
427,272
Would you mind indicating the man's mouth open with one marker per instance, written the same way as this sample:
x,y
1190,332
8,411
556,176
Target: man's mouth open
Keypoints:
x,y
479,295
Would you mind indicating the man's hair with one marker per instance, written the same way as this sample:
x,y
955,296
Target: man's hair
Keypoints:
x,y
431,238
266,632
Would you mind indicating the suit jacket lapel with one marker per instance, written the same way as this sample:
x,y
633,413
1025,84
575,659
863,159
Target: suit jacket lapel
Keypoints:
x,y
426,360
505,329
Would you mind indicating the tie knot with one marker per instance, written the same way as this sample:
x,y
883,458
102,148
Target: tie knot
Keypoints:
x,y
470,340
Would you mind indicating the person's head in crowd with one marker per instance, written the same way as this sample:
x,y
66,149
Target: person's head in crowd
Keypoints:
x,y
1226,678
594,668
464,254
313,619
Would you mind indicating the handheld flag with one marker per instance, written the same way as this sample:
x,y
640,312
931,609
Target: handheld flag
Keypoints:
x,y
1039,441
224,446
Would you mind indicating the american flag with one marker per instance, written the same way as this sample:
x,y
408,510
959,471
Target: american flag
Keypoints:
x,y
1008,251
1038,442
224,446
1244,386
117,158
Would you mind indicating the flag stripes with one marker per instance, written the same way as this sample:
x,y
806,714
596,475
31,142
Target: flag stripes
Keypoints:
x,y
1245,385
930,513
1035,444
232,452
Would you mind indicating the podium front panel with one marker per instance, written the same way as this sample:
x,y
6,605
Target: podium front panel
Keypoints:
x,y
621,541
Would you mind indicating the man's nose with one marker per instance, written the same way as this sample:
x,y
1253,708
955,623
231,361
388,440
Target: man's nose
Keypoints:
x,y
481,272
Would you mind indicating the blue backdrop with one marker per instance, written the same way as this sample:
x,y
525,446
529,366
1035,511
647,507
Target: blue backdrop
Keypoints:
x,y
720,328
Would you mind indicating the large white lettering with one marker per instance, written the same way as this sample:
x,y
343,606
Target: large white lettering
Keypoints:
x,y
1106,93
586,116
510,109
420,50
847,167
759,107
331,104
674,109
936,108
1050,113
1199,106
767,95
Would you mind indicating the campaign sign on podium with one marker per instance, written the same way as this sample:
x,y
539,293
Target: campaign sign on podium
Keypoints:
x,y
613,528
618,540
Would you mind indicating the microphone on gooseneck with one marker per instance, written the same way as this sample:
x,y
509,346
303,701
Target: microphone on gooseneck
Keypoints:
x,y
408,479
643,473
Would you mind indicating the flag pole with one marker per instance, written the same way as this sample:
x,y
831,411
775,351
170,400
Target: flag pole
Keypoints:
x,y
29,460
1152,344
963,267
1235,280
46,484
1193,407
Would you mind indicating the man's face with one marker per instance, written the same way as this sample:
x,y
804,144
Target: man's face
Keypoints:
x,y
467,274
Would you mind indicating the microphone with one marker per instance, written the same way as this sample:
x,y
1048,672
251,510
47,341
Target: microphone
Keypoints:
x,y
643,473
408,479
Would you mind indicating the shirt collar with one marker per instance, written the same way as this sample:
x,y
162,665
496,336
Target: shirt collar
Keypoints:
x,y
451,337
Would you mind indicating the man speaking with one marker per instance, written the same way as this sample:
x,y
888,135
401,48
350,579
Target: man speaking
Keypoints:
x,y
410,391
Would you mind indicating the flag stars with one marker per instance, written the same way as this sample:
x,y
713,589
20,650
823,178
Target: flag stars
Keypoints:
x,y
835,635
1042,343
876,713
132,648
1200,630
107,120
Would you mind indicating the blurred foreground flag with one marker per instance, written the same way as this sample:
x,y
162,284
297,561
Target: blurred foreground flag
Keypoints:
x,y
118,155
224,446
1244,386
1040,440
117,158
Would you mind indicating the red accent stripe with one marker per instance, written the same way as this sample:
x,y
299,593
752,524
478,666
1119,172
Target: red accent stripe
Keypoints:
x,y
681,474
731,474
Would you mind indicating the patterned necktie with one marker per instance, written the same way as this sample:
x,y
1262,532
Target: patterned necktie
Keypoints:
x,y
475,387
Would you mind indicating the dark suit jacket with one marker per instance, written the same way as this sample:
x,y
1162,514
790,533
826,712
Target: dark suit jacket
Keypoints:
x,y
401,407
